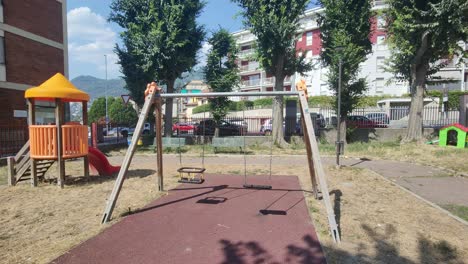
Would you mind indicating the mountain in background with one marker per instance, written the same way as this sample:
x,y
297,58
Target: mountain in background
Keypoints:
x,y
96,87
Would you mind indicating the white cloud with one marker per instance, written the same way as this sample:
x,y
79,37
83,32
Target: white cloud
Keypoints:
x,y
90,38
203,53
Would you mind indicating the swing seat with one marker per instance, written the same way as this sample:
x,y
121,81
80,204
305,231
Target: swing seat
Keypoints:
x,y
258,187
191,175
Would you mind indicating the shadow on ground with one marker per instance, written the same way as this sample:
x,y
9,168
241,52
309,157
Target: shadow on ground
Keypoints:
x,y
308,251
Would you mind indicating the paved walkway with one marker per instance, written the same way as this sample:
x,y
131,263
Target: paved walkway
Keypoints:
x,y
433,184
215,222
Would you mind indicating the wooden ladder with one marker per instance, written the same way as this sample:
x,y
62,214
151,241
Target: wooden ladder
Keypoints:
x,y
19,167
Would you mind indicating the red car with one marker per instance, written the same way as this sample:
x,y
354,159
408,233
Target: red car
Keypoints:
x,y
182,128
357,121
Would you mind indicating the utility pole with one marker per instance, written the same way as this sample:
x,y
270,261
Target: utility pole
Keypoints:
x,y
339,142
105,91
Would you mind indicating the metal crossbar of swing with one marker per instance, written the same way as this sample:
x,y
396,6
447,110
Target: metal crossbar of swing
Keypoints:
x,y
313,157
243,94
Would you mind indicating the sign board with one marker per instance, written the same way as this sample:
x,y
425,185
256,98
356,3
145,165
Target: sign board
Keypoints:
x,y
20,113
125,98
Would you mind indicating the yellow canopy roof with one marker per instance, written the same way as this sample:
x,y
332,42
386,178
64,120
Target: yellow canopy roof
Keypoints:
x,y
57,87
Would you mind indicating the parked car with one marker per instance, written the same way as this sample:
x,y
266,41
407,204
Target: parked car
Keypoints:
x,y
358,121
207,127
379,118
266,127
240,122
183,128
319,119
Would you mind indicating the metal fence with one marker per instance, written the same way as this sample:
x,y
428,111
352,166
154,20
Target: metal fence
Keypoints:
x,y
392,117
12,139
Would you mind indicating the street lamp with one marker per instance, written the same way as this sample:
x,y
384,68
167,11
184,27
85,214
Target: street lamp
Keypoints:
x,y
339,142
105,91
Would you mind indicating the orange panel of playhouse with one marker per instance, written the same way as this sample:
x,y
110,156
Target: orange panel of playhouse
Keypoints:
x,y
75,141
43,141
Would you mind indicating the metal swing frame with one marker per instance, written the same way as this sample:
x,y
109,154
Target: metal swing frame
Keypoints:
x,y
313,157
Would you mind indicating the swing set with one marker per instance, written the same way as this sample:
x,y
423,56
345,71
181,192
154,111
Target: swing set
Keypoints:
x,y
153,96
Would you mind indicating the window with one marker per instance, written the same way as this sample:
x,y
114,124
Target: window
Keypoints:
x,y
380,64
2,50
381,23
379,85
381,42
309,39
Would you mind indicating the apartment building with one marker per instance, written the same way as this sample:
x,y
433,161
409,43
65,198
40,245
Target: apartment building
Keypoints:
x,y
185,105
253,78
33,47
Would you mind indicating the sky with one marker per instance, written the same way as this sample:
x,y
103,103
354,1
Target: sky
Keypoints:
x,y
91,36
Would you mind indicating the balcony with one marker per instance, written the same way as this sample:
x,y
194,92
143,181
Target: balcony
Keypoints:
x,y
263,82
380,3
246,53
271,81
244,38
249,67
250,83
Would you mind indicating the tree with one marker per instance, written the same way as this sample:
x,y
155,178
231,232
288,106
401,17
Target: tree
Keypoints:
x,y
161,39
421,33
97,111
221,72
275,24
345,27
121,114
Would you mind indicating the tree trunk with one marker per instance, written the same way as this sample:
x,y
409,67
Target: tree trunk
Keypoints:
x,y
343,129
216,132
277,126
415,122
418,79
168,112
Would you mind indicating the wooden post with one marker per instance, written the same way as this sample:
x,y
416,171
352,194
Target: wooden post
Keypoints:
x,y
85,122
314,161
32,121
60,161
127,159
310,161
11,171
159,147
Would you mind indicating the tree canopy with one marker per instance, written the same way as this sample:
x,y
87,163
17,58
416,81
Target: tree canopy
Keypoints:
x,y
422,35
275,24
122,114
161,39
221,71
345,28
97,111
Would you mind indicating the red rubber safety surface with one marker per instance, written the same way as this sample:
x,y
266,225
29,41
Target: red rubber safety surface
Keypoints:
x,y
215,222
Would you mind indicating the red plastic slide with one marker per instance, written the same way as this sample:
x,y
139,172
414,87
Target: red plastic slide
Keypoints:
x,y
98,162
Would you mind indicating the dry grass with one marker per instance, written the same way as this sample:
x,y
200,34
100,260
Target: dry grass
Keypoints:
x,y
39,224
379,222
431,155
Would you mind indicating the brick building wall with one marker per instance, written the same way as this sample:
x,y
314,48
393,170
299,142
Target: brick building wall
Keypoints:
x,y
40,17
34,49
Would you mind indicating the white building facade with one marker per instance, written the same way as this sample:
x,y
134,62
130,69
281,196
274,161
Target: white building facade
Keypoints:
x,y
253,78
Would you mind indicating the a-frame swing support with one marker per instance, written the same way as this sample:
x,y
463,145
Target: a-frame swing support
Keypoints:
x,y
313,156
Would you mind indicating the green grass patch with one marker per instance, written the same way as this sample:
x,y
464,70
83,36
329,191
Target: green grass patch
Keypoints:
x,y
458,210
